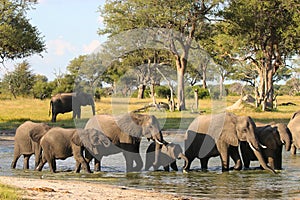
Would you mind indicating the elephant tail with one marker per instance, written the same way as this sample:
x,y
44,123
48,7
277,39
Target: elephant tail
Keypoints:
x,y
50,108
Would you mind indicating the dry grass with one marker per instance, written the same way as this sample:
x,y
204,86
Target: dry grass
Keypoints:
x,y
15,111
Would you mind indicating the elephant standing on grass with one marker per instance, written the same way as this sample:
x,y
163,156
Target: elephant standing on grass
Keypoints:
x,y
272,137
168,155
219,134
67,102
294,126
24,145
125,132
61,143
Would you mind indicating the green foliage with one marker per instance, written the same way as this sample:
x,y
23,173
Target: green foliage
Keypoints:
x,y
20,81
202,92
162,91
42,89
18,38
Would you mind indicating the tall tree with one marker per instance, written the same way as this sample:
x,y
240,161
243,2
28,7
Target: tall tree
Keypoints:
x,y
21,80
269,32
182,16
18,38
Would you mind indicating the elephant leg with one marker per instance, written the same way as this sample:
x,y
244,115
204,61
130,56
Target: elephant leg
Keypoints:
x,y
41,165
167,168
224,155
174,166
234,153
278,160
38,158
97,164
53,117
271,162
293,149
52,164
190,160
14,162
138,162
129,161
26,162
204,163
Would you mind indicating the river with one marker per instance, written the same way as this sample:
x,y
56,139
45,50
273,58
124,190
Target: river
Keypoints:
x,y
249,184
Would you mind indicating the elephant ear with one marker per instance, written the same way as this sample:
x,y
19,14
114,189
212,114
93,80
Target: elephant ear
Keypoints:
x,y
77,137
131,124
38,131
229,133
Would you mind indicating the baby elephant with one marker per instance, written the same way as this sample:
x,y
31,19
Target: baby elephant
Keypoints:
x,y
61,143
168,155
23,144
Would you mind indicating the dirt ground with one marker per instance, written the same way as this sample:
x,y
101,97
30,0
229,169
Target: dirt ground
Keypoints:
x,y
40,189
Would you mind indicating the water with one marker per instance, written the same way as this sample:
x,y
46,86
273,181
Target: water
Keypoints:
x,y
251,184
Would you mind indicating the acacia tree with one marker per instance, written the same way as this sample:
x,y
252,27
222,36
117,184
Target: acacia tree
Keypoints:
x,y
183,16
18,38
269,34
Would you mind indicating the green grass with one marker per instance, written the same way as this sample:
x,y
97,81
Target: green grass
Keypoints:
x,y
14,112
9,193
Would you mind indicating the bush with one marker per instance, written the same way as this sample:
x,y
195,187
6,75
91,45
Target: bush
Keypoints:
x,y
202,93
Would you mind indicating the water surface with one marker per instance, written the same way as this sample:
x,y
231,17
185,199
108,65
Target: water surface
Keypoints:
x,y
251,184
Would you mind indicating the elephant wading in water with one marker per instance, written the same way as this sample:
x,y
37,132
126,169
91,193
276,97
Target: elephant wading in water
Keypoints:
x,y
272,137
125,132
67,102
294,126
219,134
25,146
168,155
61,143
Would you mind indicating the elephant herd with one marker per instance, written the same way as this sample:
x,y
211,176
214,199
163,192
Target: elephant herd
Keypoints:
x,y
225,135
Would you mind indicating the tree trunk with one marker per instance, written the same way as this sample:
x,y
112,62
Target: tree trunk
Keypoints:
x,y
181,65
141,91
204,85
152,93
196,99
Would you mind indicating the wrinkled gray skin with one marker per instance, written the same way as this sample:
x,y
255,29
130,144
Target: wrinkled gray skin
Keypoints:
x,y
61,143
294,126
219,134
125,132
168,155
67,102
272,137
23,145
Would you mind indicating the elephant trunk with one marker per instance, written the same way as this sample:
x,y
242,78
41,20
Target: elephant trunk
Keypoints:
x,y
285,136
261,159
181,155
158,145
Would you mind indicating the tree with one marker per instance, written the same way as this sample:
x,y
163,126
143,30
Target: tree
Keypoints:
x,y
18,38
181,16
20,81
269,34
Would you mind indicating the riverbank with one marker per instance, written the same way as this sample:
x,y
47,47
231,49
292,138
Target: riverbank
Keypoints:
x,y
41,189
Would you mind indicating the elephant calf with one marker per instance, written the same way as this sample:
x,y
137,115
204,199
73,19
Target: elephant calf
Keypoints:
x,y
61,143
25,146
272,137
168,155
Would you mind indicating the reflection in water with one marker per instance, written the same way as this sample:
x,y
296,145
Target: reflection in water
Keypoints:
x,y
252,184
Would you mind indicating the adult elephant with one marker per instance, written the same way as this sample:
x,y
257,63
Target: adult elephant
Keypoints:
x,y
24,145
125,132
219,134
67,102
272,137
294,127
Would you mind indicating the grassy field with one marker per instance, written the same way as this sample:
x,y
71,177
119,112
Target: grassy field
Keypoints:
x,y
9,193
13,112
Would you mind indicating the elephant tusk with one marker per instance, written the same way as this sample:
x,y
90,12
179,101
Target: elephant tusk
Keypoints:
x,y
158,142
263,146
253,149
282,142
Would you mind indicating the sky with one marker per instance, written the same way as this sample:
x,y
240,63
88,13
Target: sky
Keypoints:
x,y
69,28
